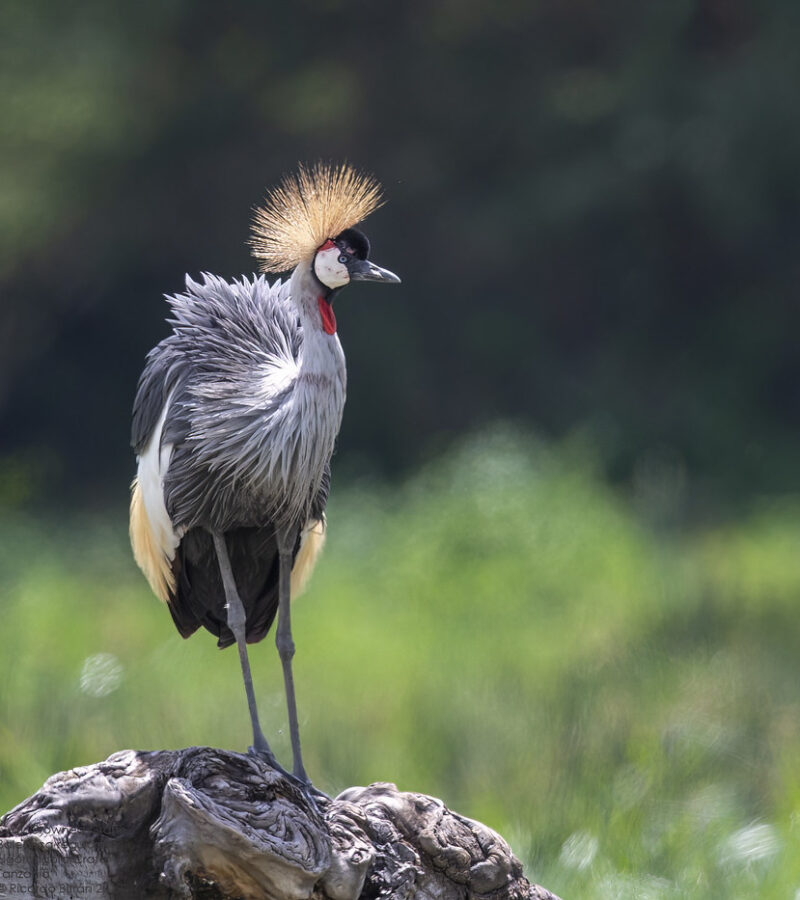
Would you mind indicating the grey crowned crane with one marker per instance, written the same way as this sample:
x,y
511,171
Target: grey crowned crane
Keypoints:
x,y
235,420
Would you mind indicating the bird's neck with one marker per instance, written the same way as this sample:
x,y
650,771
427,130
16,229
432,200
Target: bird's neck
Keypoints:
x,y
321,351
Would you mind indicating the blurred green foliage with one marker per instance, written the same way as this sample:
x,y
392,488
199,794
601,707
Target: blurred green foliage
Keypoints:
x,y
618,699
594,208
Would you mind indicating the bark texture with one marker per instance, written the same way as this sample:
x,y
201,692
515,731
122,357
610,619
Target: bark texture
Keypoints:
x,y
214,824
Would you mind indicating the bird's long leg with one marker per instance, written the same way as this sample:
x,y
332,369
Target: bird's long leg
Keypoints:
x,y
283,639
236,623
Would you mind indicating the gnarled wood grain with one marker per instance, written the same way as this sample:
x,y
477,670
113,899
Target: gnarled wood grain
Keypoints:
x,y
210,823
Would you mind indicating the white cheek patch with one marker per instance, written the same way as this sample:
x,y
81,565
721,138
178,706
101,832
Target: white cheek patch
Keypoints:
x,y
329,270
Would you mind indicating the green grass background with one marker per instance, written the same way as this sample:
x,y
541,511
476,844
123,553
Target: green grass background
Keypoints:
x,y
620,700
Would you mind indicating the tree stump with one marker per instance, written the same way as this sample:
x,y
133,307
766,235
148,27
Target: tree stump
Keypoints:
x,y
214,824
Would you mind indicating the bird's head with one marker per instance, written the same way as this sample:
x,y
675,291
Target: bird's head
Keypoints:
x,y
344,258
308,221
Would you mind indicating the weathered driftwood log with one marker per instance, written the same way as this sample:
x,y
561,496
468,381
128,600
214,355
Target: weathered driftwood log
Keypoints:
x,y
215,824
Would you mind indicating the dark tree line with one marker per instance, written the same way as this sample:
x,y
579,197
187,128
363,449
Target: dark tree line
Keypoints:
x,y
594,208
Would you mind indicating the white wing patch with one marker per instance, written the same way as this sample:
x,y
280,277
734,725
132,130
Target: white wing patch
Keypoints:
x,y
153,538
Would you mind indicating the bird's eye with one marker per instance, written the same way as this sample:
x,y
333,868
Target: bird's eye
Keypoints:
x,y
343,258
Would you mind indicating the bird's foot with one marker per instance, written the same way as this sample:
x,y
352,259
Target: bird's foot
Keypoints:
x,y
302,782
313,791
263,752
317,796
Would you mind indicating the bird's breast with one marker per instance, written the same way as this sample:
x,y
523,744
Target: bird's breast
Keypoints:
x,y
297,442
316,381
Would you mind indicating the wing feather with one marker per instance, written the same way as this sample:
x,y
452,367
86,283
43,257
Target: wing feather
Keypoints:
x,y
312,540
150,556
153,537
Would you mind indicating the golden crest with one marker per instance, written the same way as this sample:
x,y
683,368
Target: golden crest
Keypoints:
x,y
306,209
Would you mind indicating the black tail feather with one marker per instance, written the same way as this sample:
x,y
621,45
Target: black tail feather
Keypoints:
x,y
199,597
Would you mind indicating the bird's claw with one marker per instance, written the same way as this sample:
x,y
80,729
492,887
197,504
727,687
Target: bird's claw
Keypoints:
x,y
302,783
315,794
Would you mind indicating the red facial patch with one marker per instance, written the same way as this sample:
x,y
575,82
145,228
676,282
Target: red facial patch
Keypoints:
x,y
328,318
328,245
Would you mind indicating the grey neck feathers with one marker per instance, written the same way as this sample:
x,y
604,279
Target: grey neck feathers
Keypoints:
x,y
321,353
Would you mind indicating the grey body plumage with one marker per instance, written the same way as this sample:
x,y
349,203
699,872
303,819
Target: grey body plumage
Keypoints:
x,y
252,433
235,421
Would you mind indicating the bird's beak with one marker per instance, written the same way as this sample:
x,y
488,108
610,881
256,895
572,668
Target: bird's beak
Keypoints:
x,y
364,270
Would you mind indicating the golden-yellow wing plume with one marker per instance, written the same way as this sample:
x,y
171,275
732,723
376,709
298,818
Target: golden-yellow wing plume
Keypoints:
x,y
306,209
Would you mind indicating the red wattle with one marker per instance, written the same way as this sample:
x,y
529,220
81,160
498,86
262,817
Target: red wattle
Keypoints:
x,y
328,318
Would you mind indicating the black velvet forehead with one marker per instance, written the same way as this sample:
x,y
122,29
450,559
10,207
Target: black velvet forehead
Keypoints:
x,y
353,241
